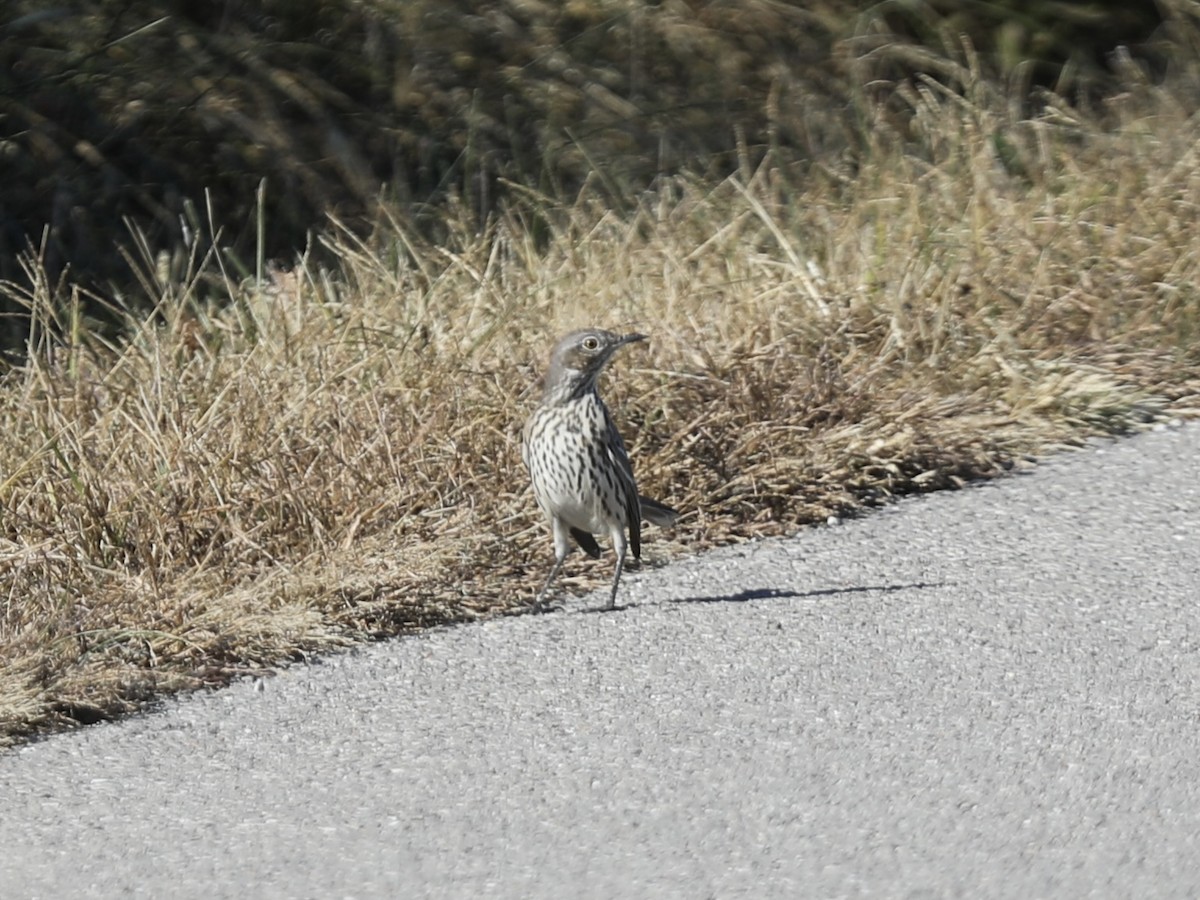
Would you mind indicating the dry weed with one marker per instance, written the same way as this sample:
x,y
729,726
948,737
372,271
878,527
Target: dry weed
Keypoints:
x,y
256,471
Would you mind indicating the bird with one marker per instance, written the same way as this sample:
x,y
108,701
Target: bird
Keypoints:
x,y
582,478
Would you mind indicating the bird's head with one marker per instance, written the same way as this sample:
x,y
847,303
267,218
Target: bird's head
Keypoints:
x,y
579,358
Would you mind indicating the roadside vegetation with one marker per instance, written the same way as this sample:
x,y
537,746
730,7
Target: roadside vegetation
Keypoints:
x,y
906,271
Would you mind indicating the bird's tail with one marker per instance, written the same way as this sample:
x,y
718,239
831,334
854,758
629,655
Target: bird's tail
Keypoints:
x,y
657,513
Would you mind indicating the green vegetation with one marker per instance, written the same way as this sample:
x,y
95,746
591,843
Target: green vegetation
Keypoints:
x,y
876,266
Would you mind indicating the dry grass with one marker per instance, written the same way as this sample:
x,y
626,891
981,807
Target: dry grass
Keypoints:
x,y
253,472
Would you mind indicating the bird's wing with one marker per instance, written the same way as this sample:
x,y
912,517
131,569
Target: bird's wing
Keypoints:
x,y
633,512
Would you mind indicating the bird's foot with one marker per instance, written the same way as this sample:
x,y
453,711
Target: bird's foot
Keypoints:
x,y
545,605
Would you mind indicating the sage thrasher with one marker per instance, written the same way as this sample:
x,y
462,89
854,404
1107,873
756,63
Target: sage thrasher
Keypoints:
x,y
581,474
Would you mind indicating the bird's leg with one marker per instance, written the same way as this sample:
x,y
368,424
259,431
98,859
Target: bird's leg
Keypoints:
x,y
562,546
612,600
540,603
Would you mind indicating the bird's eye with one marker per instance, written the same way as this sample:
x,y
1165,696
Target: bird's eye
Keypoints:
x,y
590,344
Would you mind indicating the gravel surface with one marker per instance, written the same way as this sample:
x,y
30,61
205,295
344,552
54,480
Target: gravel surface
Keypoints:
x,y
994,692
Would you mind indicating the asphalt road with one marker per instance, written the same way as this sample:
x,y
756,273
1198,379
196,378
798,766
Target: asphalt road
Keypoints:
x,y
990,693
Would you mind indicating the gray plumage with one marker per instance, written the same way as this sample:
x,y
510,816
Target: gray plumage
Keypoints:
x,y
581,474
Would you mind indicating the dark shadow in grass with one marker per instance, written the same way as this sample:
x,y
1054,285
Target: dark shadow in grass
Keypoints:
x,y
776,593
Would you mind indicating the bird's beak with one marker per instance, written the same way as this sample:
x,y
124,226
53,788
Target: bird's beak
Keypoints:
x,y
630,339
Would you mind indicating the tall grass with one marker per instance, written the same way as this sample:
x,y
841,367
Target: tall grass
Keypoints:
x,y
260,468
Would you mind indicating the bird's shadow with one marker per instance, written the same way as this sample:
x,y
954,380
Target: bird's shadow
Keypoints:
x,y
781,594
778,594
